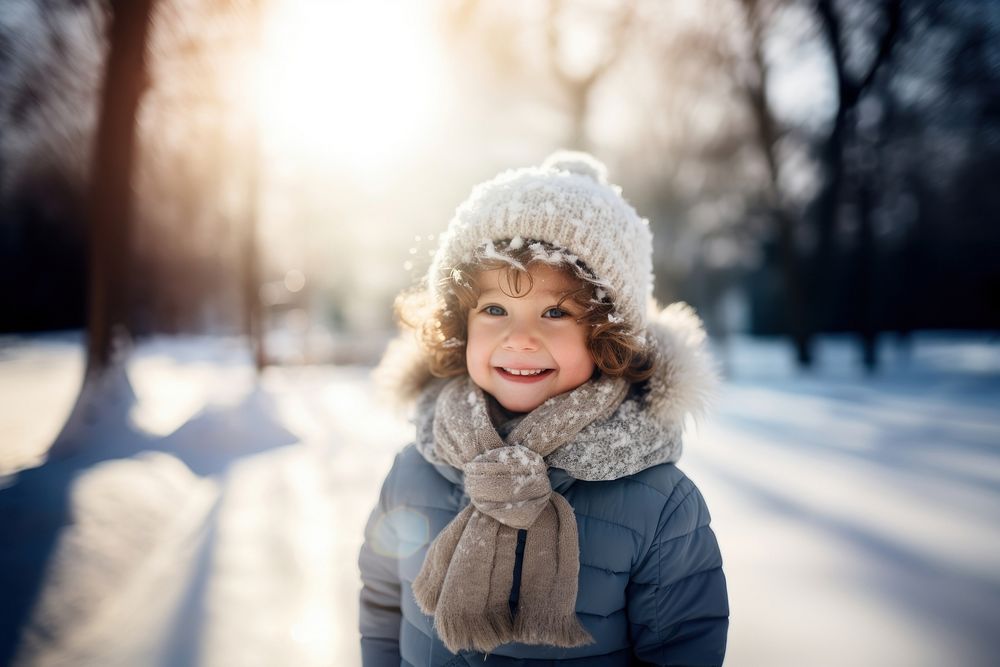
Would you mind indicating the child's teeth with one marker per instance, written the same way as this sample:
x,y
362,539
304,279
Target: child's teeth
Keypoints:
x,y
514,371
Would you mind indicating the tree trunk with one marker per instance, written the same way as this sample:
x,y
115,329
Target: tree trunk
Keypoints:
x,y
826,209
868,325
578,87
110,197
106,396
766,130
253,312
850,89
795,306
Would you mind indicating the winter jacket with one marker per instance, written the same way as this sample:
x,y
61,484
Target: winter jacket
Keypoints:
x,y
651,586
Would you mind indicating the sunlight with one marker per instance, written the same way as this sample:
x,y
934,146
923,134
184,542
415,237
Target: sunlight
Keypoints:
x,y
348,84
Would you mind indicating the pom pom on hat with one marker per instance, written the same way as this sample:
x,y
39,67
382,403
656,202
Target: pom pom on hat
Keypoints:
x,y
576,162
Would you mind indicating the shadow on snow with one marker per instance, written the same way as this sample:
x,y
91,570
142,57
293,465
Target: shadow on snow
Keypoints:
x,y
35,508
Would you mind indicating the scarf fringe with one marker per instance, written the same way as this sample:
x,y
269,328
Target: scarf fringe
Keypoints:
x,y
481,633
484,633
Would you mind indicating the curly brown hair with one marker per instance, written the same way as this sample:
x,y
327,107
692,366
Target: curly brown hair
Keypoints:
x,y
441,327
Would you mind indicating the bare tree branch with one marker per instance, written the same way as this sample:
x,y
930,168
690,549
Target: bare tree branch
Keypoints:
x,y
579,86
850,91
894,22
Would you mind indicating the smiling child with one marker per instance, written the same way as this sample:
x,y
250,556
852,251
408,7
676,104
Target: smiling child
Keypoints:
x,y
540,515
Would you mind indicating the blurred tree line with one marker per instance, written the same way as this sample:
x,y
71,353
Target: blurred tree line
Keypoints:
x,y
828,163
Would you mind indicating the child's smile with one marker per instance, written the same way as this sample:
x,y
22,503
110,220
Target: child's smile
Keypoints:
x,y
525,349
524,374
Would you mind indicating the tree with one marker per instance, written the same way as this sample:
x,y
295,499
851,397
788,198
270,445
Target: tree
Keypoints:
x,y
578,85
850,90
806,272
766,136
109,213
110,198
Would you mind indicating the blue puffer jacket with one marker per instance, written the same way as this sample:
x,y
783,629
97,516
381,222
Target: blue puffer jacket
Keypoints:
x,y
651,587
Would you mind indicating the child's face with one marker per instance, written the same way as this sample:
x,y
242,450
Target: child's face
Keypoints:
x,y
527,333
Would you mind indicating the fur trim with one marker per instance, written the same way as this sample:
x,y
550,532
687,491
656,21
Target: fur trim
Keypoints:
x,y
686,376
402,372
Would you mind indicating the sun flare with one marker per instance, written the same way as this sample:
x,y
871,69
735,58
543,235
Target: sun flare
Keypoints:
x,y
348,84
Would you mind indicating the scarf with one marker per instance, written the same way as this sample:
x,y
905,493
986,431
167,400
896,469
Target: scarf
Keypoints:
x,y
466,578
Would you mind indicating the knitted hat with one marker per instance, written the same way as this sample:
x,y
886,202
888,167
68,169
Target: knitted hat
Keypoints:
x,y
568,204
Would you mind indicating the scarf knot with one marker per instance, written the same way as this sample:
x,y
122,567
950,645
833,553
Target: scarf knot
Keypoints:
x,y
509,484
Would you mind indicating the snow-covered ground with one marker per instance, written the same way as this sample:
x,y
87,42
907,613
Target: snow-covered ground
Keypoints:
x,y
859,517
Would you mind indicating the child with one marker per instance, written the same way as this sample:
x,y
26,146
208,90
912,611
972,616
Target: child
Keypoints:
x,y
539,515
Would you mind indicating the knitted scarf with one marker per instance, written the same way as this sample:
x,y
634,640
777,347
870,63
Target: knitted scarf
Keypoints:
x,y
466,579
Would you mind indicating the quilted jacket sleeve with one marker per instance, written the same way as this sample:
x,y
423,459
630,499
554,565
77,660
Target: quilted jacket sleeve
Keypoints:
x,y
380,614
677,601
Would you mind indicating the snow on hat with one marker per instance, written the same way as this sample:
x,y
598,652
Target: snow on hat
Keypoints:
x,y
567,203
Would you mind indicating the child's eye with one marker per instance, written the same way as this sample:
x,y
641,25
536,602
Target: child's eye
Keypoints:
x,y
496,311
555,313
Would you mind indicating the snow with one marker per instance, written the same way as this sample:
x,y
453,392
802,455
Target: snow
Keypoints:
x,y
490,252
858,517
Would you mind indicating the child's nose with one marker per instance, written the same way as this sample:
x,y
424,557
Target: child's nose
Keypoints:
x,y
521,338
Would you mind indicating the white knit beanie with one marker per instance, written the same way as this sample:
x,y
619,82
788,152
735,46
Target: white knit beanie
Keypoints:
x,y
567,203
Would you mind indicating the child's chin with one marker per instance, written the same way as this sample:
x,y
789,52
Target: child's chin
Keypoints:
x,y
520,406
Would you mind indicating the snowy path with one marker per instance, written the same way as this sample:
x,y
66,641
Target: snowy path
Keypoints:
x,y
858,519
857,529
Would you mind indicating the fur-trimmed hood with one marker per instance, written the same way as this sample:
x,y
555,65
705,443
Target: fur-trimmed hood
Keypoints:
x,y
645,430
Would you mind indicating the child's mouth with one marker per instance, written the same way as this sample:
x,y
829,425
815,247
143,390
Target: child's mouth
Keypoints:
x,y
523,374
